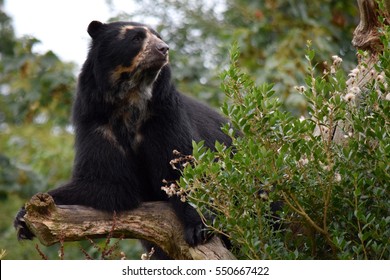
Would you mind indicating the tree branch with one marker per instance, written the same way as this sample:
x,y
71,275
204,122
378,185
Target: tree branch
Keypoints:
x,y
152,221
366,34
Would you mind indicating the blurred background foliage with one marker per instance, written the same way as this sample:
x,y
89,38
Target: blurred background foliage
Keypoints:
x,y
271,35
36,89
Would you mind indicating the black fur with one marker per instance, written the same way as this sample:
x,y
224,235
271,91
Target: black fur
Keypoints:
x,y
128,119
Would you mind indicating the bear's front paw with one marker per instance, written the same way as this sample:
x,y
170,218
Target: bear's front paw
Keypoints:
x,y
22,231
196,233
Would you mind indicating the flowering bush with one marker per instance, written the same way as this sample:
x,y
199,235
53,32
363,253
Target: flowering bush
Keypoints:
x,y
301,187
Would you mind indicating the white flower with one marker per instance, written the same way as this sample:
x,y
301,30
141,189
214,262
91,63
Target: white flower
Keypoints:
x,y
354,90
350,81
350,97
325,167
301,89
337,177
325,130
380,78
355,71
387,97
336,59
302,162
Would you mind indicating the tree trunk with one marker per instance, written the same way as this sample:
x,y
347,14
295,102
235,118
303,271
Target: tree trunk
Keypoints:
x,y
366,35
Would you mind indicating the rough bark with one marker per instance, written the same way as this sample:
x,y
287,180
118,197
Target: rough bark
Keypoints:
x,y
366,35
152,221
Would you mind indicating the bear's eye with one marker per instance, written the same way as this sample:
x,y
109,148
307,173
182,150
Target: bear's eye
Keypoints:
x,y
138,37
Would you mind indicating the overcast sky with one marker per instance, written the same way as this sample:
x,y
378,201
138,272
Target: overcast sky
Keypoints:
x,y
61,24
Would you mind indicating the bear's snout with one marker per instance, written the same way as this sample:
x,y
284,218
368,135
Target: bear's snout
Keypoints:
x,y
162,48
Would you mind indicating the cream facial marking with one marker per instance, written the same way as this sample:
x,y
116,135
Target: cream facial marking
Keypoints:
x,y
124,29
144,52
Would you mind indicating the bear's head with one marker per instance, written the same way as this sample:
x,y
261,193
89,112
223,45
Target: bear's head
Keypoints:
x,y
126,58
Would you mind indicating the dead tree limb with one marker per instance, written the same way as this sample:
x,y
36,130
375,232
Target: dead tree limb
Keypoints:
x,y
366,35
152,221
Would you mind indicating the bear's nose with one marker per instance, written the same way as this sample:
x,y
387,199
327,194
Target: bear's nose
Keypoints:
x,y
162,48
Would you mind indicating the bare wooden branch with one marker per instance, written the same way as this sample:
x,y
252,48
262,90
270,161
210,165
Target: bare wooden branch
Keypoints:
x,y
152,221
366,35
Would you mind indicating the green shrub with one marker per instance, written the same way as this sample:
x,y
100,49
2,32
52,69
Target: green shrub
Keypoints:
x,y
335,193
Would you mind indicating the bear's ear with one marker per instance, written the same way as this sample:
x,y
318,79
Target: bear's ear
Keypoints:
x,y
94,28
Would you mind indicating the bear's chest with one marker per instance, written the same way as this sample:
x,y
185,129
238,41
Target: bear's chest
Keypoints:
x,y
124,125
127,126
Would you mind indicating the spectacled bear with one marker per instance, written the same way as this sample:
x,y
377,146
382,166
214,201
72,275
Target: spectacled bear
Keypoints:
x,y
128,119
